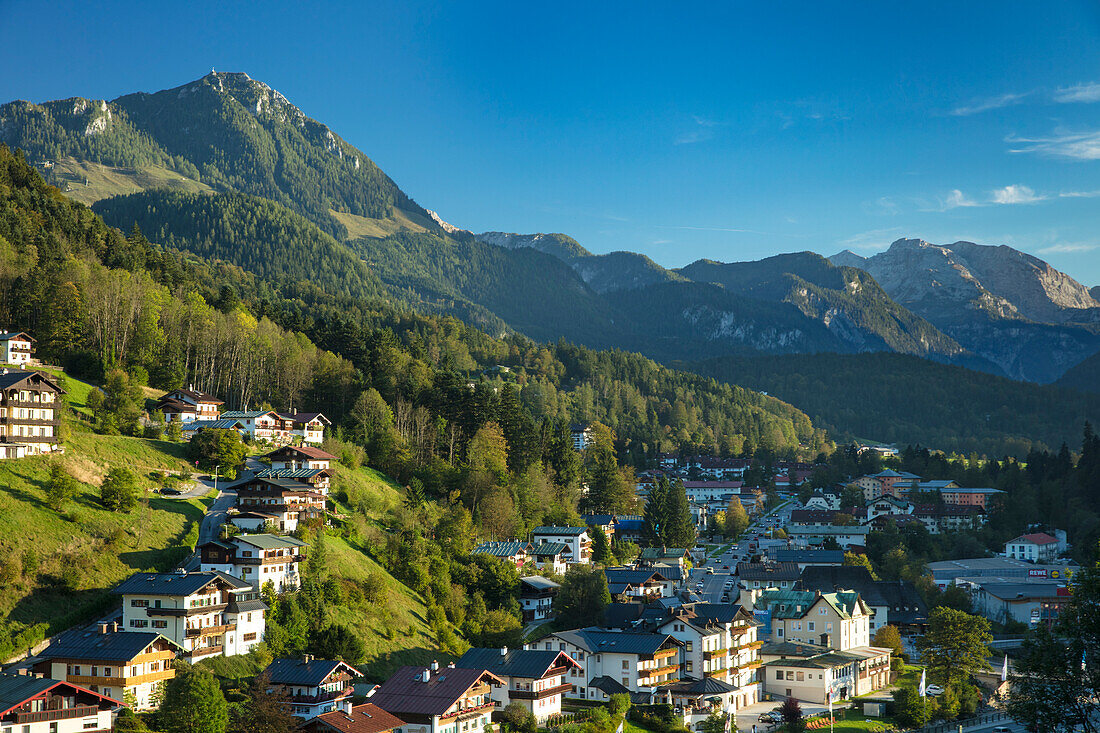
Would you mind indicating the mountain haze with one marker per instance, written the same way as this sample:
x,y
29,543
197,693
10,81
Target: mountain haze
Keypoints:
x,y
1013,309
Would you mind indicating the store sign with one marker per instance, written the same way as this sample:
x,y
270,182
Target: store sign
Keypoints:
x,y
1038,573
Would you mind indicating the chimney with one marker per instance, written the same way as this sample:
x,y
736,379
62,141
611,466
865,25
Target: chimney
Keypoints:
x,y
504,651
104,627
425,676
307,658
435,666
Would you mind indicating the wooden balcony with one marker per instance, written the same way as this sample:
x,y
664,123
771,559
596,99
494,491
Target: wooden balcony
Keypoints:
x,y
321,696
715,653
46,716
470,712
205,651
716,673
210,630
665,653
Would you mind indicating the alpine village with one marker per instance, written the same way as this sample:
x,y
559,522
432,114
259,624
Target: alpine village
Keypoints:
x,y
281,450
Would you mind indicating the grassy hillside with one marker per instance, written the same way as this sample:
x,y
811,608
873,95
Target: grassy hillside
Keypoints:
x,y
56,568
88,182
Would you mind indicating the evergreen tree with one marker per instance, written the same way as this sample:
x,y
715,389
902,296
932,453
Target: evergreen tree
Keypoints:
x,y
119,490
601,548
679,526
583,596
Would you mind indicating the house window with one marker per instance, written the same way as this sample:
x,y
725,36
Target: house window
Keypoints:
x,y
811,626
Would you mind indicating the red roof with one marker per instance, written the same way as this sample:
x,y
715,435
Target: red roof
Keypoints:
x,y
365,718
305,450
1039,538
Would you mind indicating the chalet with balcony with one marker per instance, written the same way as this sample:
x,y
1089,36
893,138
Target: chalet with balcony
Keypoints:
x,y
317,478
30,412
256,559
536,679
16,348
112,663
299,457
664,556
768,574
311,686
31,704
536,597
609,659
282,501
606,522
304,427
577,541
365,718
205,613
551,556
261,426
187,405
719,642
434,700
639,585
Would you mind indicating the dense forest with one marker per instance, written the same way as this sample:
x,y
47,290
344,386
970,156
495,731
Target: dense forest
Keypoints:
x,y
895,398
98,299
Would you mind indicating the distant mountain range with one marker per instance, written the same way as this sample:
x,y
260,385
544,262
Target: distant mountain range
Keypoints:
x,y
184,161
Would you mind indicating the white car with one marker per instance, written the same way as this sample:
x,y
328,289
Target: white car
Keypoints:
x,y
933,690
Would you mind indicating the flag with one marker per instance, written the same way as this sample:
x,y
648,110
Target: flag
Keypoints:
x,y
1004,670
921,689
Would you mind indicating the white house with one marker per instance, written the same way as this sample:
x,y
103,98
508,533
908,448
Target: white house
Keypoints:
x,y
536,597
614,661
258,424
257,559
186,405
206,614
1038,547
577,541
533,678
17,348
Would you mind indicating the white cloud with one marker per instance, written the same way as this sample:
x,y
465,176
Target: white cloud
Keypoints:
x,y
957,199
1068,248
1079,93
1017,194
984,105
1079,194
1063,144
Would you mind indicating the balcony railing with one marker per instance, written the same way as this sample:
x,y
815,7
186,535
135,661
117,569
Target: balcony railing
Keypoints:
x,y
44,716
210,630
715,653
322,696
540,694
205,651
716,673
469,712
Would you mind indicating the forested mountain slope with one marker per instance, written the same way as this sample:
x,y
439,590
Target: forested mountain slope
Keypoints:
x,y
896,398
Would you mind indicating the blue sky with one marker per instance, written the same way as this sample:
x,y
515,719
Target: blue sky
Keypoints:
x,y
727,130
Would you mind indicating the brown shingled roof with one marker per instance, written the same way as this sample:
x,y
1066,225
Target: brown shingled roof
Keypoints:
x,y
406,692
365,718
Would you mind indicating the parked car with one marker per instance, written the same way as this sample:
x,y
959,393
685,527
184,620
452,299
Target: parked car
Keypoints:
x,y
934,690
1002,729
170,492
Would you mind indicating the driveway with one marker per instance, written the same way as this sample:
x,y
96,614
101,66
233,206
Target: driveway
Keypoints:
x,y
215,516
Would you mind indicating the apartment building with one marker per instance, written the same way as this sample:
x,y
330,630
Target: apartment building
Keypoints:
x,y
770,574
30,704
536,679
1037,547
256,559
434,700
614,660
891,602
123,666
839,620
719,642
30,412
312,687
205,613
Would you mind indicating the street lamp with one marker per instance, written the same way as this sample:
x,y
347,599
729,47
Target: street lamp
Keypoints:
x,y
217,470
